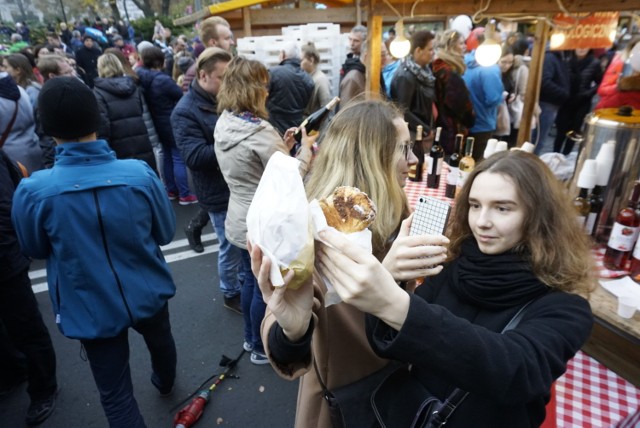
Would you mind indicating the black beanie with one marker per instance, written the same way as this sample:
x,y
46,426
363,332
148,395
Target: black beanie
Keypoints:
x,y
68,109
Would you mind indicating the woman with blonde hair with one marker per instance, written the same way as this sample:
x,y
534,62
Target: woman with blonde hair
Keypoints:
x,y
455,110
368,146
515,249
244,142
122,109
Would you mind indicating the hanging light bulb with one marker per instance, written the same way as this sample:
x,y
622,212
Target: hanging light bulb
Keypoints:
x,y
489,52
400,46
557,39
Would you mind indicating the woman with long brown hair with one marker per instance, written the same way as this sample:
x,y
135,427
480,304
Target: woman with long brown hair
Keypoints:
x,y
515,246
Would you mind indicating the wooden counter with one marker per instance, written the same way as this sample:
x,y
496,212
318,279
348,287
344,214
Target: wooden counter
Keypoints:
x,y
614,341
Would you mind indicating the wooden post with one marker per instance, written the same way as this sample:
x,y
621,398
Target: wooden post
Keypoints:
x,y
359,12
246,21
374,47
535,79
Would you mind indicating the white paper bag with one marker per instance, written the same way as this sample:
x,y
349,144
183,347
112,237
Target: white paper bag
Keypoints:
x,y
278,221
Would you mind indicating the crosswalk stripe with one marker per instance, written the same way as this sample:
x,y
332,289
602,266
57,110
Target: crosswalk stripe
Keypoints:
x,y
40,287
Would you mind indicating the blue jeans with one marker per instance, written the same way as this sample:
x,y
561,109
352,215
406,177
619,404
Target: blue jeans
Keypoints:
x,y
253,307
109,361
229,259
174,171
548,113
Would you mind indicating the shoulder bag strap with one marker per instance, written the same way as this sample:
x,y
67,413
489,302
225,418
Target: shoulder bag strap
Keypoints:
x,y
6,132
442,414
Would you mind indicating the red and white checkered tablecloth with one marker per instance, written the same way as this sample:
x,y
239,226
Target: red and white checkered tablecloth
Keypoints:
x,y
414,190
588,394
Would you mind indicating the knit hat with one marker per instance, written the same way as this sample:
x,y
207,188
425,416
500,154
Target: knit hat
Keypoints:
x,y
68,109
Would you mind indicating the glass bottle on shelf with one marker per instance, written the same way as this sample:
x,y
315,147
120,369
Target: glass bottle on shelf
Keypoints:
x,y
624,233
435,163
454,162
586,181
467,163
415,171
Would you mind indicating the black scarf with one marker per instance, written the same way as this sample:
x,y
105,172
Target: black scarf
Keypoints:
x,y
494,281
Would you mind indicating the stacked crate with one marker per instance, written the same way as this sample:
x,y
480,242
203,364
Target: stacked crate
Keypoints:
x,y
331,45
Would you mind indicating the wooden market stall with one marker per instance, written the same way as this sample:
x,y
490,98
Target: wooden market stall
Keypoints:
x,y
615,343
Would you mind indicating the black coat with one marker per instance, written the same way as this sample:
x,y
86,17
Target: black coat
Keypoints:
x,y
87,59
556,85
290,89
193,121
415,97
453,343
162,94
12,261
121,108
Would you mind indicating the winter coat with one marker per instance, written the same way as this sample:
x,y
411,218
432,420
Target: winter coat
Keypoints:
x,y
33,90
244,144
610,95
194,121
415,95
352,79
508,376
485,87
12,261
556,85
121,108
87,59
99,222
455,110
338,345
290,89
22,143
162,94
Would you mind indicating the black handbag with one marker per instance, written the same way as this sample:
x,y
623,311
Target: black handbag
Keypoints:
x,y
401,401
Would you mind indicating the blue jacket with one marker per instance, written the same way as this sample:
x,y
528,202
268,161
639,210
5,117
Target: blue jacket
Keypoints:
x,y
485,87
193,121
99,222
162,94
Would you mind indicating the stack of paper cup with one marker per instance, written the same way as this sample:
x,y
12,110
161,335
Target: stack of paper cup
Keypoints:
x,y
627,304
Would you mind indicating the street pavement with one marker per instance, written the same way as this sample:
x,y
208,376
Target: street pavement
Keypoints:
x,y
203,329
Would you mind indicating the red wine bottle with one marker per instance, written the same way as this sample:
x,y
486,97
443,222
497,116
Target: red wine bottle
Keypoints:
x,y
437,158
624,233
315,119
454,162
418,150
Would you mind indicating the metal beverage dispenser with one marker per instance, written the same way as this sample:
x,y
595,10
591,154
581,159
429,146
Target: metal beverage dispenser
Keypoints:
x,y
621,125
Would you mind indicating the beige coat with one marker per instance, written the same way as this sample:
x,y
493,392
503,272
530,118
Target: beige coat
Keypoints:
x,y
243,149
342,353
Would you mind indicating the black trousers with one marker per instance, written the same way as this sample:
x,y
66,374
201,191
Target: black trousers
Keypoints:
x,y
27,333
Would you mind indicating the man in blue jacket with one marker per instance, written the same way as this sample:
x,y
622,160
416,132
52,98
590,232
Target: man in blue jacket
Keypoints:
x,y
486,88
193,121
99,222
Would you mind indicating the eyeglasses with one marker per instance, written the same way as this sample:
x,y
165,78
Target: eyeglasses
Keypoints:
x,y
406,149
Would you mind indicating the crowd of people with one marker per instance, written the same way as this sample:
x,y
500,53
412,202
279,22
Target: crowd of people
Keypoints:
x,y
111,132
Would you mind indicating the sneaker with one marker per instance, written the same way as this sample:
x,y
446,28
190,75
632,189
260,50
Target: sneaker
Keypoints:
x,y
194,236
247,346
172,195
188,200
40,410
165,391
234,304
259,358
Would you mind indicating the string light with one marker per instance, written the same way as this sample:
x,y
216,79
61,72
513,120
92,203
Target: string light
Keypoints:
x,y
400,46
490,51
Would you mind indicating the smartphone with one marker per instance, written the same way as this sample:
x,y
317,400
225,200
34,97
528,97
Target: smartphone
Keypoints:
x,y
430,217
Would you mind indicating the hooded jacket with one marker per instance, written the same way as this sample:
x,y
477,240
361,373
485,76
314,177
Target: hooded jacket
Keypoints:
x,y
485,88
123,126
290,89
99,222
162,94
244,145
193,121
22,143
